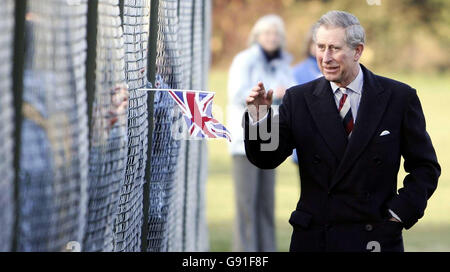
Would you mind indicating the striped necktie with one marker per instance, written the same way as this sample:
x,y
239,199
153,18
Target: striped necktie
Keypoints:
x,y
346,112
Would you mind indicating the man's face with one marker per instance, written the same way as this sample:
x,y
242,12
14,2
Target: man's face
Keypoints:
x,y
269,39
337,61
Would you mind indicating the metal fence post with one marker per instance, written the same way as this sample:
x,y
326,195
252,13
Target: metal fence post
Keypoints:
x,y
151,71
121,5
18,69
91,59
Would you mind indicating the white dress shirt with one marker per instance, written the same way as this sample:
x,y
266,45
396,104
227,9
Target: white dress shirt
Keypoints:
x,y
354,92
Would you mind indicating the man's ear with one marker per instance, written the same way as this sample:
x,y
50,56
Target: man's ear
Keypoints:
x,y
358,51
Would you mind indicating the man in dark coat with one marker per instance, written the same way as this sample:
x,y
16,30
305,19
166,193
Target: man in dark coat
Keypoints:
x,y
350,129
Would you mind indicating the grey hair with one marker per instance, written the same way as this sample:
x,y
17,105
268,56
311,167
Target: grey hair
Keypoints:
x,y
265,22
354,32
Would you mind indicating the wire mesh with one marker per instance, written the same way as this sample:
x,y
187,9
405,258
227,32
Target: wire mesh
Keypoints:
x,y
168,60
165,148
191,198
185,36
128,223
197,46
90,190
109,142
175,242
53,174
164,157
176,216
6,125
202,225
193,181
202,228
207,29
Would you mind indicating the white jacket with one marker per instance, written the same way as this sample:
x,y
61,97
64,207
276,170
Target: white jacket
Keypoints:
x,y
247,68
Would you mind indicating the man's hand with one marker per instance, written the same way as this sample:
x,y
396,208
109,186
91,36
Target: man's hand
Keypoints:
x,y
259,101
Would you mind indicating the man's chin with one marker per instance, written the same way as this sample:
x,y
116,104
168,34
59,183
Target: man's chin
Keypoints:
x,y
332,78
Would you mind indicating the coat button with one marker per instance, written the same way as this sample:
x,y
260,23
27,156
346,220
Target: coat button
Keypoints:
x,y
369,227
377,160
316,159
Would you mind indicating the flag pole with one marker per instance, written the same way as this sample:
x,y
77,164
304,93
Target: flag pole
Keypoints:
x,y
166,90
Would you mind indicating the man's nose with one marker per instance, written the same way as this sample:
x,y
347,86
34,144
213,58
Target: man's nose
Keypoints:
x,y
327,57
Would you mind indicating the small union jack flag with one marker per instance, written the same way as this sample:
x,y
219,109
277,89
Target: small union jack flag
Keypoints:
x,y
196,107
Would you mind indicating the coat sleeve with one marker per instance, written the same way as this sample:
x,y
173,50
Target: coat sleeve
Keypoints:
x,y
269,142
420,163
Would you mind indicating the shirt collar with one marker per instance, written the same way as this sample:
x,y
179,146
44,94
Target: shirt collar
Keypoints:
x,y
356,85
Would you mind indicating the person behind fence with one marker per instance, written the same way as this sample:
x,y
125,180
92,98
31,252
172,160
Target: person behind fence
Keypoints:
x,y
264,59
39,155
350,129
306,70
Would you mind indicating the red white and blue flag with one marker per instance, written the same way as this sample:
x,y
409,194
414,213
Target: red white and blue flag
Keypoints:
x,y
196,107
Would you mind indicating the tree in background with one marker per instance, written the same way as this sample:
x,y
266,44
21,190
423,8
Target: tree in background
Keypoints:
x,y
408,35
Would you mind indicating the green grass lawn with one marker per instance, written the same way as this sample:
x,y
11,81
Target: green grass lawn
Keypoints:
x,y
431,233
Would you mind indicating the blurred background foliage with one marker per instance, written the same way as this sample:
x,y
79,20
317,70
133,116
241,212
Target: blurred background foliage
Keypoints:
x,y
402,36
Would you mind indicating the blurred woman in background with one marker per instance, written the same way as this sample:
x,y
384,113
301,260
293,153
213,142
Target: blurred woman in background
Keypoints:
x,y
264,60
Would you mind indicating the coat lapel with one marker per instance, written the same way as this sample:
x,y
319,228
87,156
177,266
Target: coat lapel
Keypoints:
x,y
325,114
373,104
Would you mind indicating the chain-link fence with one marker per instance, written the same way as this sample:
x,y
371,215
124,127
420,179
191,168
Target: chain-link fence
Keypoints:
x,y
109,148
165,149
129,219
53,153
98,167
6,125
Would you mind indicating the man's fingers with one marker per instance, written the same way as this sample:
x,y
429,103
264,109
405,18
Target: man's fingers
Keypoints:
x,y
261,85
254,94
269,95
257,90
